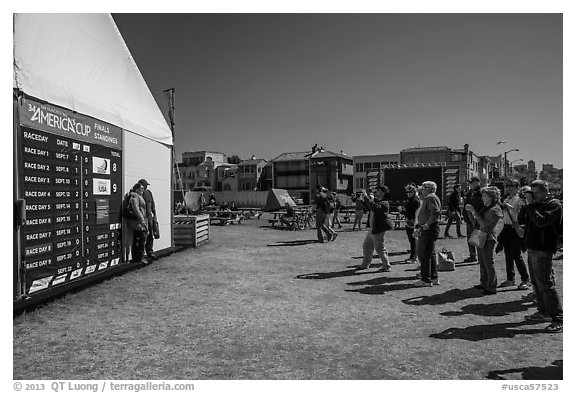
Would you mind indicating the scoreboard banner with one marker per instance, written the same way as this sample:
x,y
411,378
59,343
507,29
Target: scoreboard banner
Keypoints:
x,y
70,169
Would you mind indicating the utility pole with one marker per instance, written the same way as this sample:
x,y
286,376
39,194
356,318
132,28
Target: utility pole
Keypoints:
x,y
170,95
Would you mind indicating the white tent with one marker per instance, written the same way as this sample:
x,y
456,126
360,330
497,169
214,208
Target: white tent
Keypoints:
x,y
80,62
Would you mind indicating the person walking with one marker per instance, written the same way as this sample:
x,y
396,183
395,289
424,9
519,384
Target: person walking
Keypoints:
x,y
486,219
138,223
379,206
321,203
511,239
428,228
542,216
410,207
454,212
358,200
150,217
474,198
337,207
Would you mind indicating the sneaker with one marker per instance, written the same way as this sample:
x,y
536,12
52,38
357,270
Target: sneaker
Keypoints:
x,y
361,267
554,327
333,237
479,286
471,259
410,260
524,285
435,281
384,269
531,297
461,235
422,284
508,283
538,317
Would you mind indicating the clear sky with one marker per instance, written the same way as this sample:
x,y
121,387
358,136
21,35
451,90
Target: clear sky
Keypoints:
x,y
264,84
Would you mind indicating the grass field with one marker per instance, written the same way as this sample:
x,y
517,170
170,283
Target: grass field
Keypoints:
x,y
262,303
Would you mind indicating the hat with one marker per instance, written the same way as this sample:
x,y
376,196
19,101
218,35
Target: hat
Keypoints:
x,y
383,189
144,182
473,179
323,189
512,183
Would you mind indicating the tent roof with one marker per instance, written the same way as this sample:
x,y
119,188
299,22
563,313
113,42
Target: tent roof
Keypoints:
x,y
81,62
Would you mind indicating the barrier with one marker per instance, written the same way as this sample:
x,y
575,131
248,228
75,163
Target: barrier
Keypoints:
x,y
191,230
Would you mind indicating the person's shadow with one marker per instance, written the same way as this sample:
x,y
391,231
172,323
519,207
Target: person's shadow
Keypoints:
x,y
451,296
486,332
553,372
326,275
293,243
381,289
490,310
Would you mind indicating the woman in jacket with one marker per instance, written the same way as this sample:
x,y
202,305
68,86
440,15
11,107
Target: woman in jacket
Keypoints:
x,y
486,220
412,204
380,223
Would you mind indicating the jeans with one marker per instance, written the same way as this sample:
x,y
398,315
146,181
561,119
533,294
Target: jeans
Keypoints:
x,y
138,245
427,253
412,241
453,217
544,284
513,254
321,226
488,277
335,218
471,248
149,246
374,242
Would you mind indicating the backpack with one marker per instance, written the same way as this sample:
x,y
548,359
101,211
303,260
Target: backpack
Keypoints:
x,y
127,208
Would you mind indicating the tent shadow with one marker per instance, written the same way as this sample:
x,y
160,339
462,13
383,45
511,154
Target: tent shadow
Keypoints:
x,y
490,310
553,372
487,332
451,296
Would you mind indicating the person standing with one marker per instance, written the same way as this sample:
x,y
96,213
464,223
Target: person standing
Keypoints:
x,y
542,216
454,212
201,202
138,224
321,204
331,206
486,219
379,206
150,217
474,198
427,225
358,200
412,204
337,207
366,210
511,240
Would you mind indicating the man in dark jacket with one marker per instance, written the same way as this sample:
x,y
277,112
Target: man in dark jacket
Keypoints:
x,y
150,217
542,216
410,207
379,206
454,212
428,228
322,208
474,198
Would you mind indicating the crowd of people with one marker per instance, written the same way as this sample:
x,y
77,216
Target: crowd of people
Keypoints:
x,y
532,223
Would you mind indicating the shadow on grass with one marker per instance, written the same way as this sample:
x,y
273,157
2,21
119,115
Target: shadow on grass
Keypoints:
x,y
381,289
555,371
451,296
462,264
381,280
490,310
486,332
323,276
293,243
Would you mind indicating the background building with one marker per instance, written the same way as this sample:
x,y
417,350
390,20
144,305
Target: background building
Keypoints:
x,y
250,174
198,169
364,163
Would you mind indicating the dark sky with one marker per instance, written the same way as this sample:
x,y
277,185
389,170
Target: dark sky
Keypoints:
x,y
264,84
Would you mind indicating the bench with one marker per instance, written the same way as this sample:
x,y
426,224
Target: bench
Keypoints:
x,y
225,220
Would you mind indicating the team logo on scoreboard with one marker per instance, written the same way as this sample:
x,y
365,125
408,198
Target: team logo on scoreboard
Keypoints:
x,y
90,269
41,283
75,274
59,279
101,166
103,265
101,187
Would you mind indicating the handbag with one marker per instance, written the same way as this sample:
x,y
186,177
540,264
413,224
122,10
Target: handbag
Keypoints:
x,y
446,261
388,224
155,228
477,238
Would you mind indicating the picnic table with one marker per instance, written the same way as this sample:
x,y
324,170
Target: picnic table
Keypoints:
x,y
296,222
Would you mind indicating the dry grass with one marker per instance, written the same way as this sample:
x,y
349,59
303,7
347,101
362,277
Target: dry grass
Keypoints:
x,y
260,303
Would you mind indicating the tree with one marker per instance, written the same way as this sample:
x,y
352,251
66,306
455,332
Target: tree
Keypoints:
x,y
234,159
